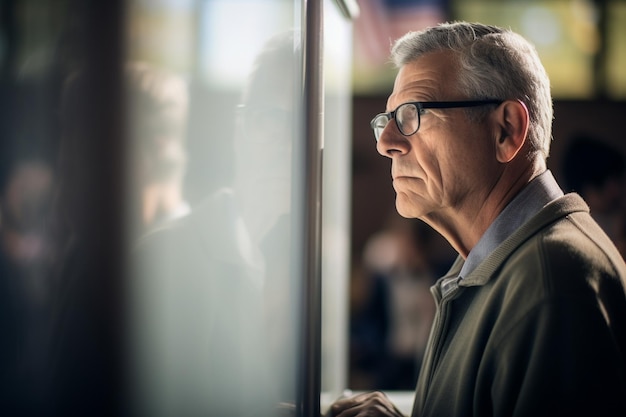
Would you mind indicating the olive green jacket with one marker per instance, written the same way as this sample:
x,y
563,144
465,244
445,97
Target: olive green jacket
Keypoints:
x,y
537,329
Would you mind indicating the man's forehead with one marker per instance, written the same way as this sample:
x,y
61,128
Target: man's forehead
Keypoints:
x,y
429,77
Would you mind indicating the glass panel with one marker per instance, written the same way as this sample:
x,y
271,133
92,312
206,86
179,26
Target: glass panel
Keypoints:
x,y
336,195
216,271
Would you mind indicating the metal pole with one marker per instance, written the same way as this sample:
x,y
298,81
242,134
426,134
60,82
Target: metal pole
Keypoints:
x,y
313,124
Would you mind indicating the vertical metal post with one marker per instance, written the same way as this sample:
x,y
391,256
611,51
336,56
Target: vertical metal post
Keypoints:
x,y
310,376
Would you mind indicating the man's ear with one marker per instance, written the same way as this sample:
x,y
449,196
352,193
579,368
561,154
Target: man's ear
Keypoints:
x,y
513,120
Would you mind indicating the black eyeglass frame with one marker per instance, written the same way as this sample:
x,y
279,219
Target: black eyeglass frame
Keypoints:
x,y
420,105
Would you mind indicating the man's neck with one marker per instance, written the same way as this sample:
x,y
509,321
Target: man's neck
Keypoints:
x,y
463,226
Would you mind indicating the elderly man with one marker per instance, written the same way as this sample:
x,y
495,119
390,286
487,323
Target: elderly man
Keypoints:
x,y
531,318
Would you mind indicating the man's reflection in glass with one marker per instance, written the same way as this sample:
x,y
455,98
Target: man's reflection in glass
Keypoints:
x,y
213,298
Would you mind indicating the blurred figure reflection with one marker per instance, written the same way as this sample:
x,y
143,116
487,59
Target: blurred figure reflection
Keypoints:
x,y
158,105
213,296
25,259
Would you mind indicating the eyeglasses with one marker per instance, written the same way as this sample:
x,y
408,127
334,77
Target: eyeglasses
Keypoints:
x,y
407,115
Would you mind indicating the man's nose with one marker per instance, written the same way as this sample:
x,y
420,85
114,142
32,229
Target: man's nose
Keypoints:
x,y
392,142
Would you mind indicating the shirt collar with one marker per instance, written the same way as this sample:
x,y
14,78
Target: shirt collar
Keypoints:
x,y
538,193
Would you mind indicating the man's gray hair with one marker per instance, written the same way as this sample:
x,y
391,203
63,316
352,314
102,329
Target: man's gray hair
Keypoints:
x,y
494,63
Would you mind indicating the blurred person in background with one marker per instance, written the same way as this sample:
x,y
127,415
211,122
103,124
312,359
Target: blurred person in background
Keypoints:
x,y
369,326
531,317
595,170
391,320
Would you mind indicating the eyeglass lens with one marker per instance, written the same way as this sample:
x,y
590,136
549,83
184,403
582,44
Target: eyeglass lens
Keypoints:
x,y
379,124
407,118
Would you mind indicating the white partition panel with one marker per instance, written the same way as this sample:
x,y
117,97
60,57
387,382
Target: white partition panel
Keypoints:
x,y
225,102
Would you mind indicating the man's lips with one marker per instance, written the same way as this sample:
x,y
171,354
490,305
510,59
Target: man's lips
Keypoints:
x,y
397,177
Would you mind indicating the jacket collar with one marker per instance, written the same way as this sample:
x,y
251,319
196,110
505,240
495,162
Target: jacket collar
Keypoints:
x,y
558,209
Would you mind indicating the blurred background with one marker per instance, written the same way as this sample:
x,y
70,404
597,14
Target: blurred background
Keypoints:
x,y
205,120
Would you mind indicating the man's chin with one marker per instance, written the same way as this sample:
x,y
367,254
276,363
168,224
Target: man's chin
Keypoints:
x,y
411,210
404,211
